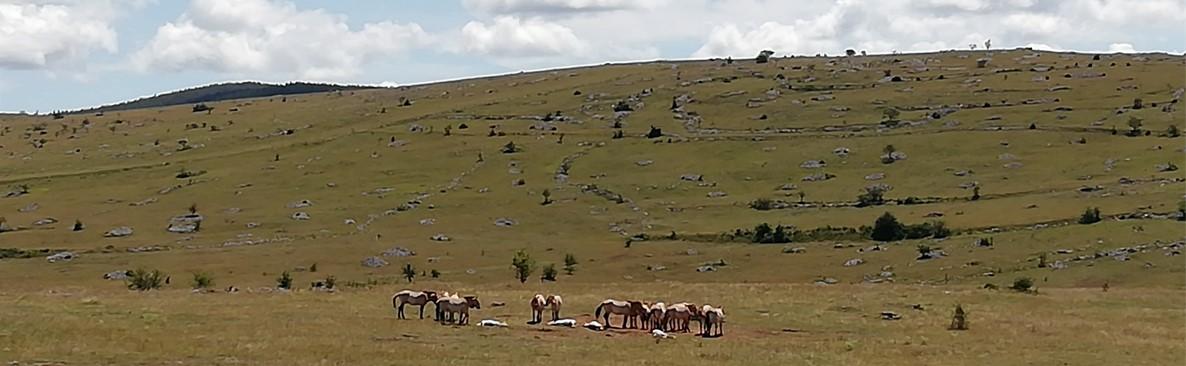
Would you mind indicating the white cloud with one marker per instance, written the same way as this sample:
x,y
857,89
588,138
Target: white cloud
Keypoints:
x,y
272,37
47,35
556,6
1121,48
509,36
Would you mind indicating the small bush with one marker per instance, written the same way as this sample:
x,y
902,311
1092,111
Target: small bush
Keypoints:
x,y
765,234
144,280
762,204
887,228
313,268
284,281
1090,216
523,265
202,280
1173,131
872,196
409,273
434,273
570,264
330,282
1023,284
549,273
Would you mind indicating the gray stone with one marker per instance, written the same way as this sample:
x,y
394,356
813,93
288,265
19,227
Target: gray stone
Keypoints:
x,y
300,204
854,262
118,232
116,275
504,222
373,262
45,221
440,237
61,257
813,164
644,162
875,176
794,250
398,252
717,194
692,177
300,215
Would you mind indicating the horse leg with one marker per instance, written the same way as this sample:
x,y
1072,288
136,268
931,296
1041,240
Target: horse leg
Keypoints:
x,y
422,311
400,313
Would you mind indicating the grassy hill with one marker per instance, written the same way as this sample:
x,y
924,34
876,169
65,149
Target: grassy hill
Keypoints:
x,y
220,92
1012,149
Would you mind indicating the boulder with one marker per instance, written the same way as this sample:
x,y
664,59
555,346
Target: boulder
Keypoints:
x,y
45,221
794,250
398,252
116,275
61,257
504,222
813,164
300,215
300,204
373,262
119,232
692,177
854,262
875,176
440,237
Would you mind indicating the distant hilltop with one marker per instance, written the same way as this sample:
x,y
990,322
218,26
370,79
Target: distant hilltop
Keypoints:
x,y
220,92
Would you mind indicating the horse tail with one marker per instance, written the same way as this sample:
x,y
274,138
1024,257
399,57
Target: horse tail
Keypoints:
x,y
395,301
597,312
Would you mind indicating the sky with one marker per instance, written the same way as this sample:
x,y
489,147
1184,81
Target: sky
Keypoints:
x,y
67,54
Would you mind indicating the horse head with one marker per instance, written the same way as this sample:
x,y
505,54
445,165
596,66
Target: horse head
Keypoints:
x,y
472,302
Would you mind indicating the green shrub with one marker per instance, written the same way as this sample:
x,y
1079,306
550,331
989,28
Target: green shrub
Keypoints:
x,y
570,264
549,273
1023,284
1090,216
202,280
434,273
144,280
523,265
330,282
872,196
284,281
887,228
313,268
409,273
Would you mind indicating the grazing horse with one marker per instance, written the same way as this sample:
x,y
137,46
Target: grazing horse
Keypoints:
x,y
457,305
655,316
678,316
538,303
554,302
629,310
713,318
405,297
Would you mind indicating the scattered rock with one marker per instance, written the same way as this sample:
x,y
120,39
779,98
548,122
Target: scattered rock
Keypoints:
x,y
717,194
300,204
300,215
818,177
827,281
841,151
794,250
813,164
45,221
373,262
644,162
889,315
875,176
854,262
29,208
398,252
692,177
504,222
118,232
61,257
440,237
116,275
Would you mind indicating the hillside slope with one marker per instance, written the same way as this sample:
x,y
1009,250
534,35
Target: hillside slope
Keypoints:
x,y
221,92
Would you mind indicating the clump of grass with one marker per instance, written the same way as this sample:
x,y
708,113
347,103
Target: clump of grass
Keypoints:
x,y
284,281
144,280
202,280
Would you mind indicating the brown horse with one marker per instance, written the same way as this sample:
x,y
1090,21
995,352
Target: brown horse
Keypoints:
x,y
538,303
405,297
655,314
554,302
679,316
629,310
713,318
459,306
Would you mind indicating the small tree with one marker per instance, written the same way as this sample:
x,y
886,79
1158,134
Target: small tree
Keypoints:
x,y
975,193
434,273
284,281
959,319
764,56
570,264
1090,216
202,280
409,272
144,280
1023,284
330,282
549,273
1134,125
313,268
547,197
193,208
1173,131
887,228
1137,103
872,196
890,114
523,265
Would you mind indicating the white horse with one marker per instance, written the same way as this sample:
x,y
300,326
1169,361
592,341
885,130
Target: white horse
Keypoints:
x,y
459,306
554,302
406,297
713,318
655,316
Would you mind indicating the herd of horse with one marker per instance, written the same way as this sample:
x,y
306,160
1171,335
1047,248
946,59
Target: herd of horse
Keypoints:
x,y
675,317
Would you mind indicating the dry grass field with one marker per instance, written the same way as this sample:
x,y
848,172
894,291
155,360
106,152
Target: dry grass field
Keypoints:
x,y
1044,136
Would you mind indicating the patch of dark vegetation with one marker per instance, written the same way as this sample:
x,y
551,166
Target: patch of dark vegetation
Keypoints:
x,y
220,92
18,253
